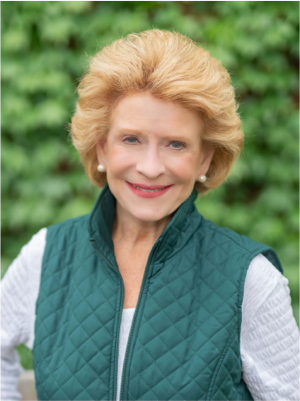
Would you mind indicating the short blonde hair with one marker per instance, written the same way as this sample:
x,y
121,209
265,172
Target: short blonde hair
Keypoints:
x,y
171,67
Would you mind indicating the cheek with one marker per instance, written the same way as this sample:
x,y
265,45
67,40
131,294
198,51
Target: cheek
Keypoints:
x,y
118,161
184,168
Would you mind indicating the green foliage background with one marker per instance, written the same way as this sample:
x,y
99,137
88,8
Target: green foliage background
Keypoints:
x,y
45,49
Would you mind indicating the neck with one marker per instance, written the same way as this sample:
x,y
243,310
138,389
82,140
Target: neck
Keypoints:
x,y
134,232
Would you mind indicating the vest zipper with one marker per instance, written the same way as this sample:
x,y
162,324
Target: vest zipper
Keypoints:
x,y
145,277
115,375
115,380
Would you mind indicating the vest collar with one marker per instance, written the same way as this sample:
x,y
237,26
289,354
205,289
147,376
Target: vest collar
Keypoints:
x,y
172,238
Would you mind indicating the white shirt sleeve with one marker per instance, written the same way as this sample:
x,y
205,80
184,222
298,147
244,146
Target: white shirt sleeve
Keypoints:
x,y
269,335
19,292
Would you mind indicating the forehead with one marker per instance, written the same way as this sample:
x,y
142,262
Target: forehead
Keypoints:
x,y
146,113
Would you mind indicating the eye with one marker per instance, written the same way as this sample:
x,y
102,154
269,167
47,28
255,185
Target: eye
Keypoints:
x,y
177,145
130,139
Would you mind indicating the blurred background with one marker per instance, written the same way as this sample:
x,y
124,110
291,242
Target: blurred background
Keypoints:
x,y
45,51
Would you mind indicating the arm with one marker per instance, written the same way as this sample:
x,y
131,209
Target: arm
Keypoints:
x,y
269,335
19,287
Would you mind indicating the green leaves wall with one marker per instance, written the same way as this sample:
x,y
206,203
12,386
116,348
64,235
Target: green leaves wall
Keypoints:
x,y
45,50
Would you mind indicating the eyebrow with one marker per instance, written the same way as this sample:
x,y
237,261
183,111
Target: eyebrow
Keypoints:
x,y
128,130
132,131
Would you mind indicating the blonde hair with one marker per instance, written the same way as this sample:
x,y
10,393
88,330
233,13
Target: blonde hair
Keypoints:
x,y
171,67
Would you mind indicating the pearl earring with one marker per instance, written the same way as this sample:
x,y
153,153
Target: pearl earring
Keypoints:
x,y
202,178
100,168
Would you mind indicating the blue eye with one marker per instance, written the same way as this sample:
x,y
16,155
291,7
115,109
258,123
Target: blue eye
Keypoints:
x,y
177,145
130,139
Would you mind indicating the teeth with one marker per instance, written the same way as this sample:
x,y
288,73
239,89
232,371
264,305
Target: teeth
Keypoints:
x,y
147,190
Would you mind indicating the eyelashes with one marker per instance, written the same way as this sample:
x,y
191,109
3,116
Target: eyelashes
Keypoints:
x,y
130,139
174,145
177,145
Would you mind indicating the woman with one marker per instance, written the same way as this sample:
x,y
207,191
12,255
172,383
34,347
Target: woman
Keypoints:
x,y
144,298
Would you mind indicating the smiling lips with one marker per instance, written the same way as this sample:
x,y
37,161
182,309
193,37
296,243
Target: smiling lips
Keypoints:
x,y
148,191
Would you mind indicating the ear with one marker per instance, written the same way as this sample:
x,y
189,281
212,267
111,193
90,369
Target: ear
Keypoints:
x,y
207,155
101,152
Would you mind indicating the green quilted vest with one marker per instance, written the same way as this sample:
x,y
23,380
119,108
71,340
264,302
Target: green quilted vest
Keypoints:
x,y
184,342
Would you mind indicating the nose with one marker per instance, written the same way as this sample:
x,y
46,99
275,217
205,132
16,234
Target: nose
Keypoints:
x,y
150,164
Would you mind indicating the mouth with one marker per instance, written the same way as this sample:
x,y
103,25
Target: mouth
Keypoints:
x,y
149,188
148,191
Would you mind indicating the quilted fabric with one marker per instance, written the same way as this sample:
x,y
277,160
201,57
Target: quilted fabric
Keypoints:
x,y
184,340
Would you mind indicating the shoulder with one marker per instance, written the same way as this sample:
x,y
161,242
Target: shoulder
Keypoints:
x,y
262,282
32,252
229,251
69,223
226,235
66,241
234,243
24,272
37,240
69,227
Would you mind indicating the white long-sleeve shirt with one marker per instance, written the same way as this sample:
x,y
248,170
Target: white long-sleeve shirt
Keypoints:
x,y
269,334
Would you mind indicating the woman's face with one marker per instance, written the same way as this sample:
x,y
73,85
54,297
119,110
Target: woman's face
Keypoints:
x,y
153,156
